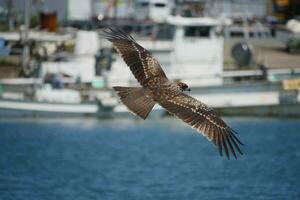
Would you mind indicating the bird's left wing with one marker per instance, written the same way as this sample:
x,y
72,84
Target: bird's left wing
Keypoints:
x,y
140,61
204,120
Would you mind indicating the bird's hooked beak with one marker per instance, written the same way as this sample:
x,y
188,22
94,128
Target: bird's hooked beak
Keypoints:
x,y
183,86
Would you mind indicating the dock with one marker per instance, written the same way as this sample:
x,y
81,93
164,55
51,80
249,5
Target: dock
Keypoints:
x,y
270,52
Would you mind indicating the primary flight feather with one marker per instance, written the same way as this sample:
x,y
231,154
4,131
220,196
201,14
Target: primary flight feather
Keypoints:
x,y
157,88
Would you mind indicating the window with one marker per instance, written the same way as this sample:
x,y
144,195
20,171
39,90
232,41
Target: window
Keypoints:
x,y
197,31
161,5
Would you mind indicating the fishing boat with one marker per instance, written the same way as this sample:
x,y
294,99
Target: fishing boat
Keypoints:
x,y
194,54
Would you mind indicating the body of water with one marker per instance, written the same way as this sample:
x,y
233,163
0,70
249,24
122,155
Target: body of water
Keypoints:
x,y
154,159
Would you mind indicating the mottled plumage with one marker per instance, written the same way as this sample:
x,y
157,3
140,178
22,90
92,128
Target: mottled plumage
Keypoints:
x,y
157,88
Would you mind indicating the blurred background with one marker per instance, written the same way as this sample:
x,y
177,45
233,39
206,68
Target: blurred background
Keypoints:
x,y
65,135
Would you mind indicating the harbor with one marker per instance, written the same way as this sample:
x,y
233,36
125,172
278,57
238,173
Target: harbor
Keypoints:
x,y
149,99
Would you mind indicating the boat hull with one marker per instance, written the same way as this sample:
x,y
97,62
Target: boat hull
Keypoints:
x,y
91,110
256,99
283,110
31,108
13,108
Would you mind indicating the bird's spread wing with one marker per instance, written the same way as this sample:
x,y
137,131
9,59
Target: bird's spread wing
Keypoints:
x,y
205,121
141,63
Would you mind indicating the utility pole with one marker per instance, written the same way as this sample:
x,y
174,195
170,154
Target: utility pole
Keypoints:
x,y
10,20
25,39
115,9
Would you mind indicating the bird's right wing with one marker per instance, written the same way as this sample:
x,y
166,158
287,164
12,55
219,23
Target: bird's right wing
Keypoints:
x,y
204,120
140,61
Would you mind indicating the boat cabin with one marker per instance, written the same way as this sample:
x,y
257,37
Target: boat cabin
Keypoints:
x,y
194,54
198,50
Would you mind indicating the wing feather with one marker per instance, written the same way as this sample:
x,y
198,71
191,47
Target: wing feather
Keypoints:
x,y
231,147
224,144
204,120
219,142
140,61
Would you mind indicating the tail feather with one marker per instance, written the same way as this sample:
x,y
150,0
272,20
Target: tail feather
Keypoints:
x,y
136,100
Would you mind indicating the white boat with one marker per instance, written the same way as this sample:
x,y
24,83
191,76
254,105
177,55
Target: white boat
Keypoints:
x,y
195,56
20,108
63,102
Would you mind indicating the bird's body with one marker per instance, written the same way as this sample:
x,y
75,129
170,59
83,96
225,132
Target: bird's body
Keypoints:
x,y
158,89
163,91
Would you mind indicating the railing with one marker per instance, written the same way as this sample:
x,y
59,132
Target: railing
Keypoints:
x,y
225,74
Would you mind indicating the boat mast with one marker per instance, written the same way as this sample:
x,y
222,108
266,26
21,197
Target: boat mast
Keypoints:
x,y
10,20
25,38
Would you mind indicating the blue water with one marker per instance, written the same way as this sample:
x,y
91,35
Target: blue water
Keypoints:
x,y
153,159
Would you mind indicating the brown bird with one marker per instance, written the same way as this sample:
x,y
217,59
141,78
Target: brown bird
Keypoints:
x,y
157,88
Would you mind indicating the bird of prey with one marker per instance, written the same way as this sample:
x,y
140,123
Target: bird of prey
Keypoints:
x,y
158,89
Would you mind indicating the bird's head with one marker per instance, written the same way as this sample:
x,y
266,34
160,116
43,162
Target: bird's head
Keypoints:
x,y
183,86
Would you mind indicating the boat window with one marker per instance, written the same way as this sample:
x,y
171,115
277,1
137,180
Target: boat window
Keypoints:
x,y
197,31
165,32
159,5
144,4
236,34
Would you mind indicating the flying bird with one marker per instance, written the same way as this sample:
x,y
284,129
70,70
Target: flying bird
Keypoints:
x,y
158,89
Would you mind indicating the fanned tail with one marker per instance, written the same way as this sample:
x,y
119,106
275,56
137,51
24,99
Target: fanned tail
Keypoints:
x,y
136,100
